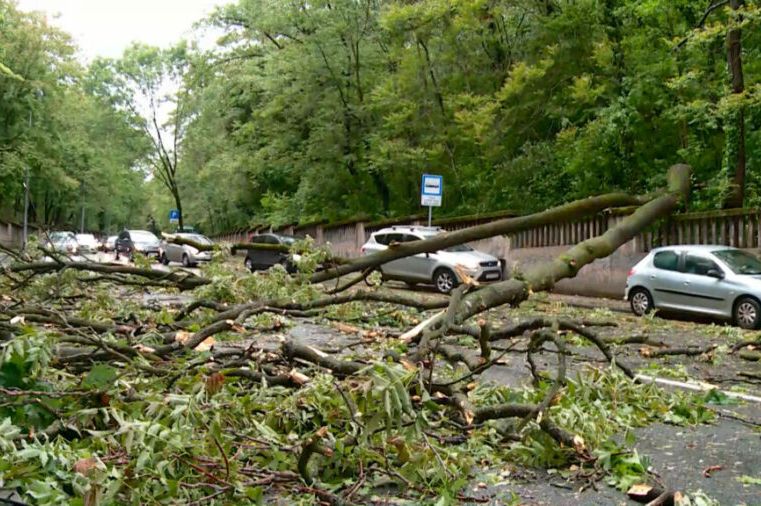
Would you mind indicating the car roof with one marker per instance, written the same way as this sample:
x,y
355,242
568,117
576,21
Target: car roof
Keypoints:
x,y
419,229
707,248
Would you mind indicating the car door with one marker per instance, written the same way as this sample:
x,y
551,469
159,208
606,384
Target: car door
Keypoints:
x,y
666,280
174,251
267,258
122,242
395,268
705,293
418,266
256,255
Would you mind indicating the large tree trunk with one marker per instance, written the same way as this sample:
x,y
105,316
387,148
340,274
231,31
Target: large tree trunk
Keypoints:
x,y
178,203
736,141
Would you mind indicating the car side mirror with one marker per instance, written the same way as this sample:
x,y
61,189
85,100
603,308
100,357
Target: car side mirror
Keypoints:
x,y
715,273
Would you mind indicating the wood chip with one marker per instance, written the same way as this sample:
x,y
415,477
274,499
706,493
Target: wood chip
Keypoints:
x,y
407,364
347,329
141,348
639,490
182,336
206,344
319,353
298,377
579,445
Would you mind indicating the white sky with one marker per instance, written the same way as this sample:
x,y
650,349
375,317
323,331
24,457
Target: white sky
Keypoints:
x,y
106,27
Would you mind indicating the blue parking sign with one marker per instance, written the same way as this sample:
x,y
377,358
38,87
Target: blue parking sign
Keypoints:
x,y
174,215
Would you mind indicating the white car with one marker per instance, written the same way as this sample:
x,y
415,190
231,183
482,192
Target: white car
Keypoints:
x,y
110,243
87,243
62,242
443,268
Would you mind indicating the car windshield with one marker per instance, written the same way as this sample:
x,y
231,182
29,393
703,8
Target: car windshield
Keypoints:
x,y
141,236
459,248
286,239
740,261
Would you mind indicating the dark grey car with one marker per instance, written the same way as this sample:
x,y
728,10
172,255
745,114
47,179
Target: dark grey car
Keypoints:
x,y
718,281
260,260
129,242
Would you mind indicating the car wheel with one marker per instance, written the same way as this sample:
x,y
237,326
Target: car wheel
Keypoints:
x,y
249,264
186,260
640,301
445,280
164,259
747,313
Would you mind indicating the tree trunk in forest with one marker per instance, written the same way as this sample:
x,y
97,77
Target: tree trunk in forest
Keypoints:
x,y
176,194
736,142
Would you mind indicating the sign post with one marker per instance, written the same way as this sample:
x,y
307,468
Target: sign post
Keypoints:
x,y
174,216
431,190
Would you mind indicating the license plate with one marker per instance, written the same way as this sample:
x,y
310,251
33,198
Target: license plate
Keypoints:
x,y
492,275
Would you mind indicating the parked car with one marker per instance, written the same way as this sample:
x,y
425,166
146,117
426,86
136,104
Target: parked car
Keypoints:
x,y
141,241
718,281
439,268
188,255
62,242
110,243
259,260
87,243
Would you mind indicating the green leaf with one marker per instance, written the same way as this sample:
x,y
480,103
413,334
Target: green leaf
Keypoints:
x,y
749,480
100,377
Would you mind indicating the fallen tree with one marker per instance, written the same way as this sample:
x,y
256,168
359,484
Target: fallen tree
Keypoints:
x,y
123,397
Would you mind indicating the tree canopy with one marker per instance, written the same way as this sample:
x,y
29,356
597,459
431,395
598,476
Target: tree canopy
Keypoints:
x,y
79,150
329,110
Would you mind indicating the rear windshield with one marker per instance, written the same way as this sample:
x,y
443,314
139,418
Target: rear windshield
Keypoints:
x,y
61,236
142,236
286,239
741,262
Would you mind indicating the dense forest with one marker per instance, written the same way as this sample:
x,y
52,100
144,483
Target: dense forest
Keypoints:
x,y
332,109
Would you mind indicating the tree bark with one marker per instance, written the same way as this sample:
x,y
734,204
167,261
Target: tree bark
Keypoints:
x,y
736,144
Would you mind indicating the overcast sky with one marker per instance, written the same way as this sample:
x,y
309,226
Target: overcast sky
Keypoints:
x,y
106,27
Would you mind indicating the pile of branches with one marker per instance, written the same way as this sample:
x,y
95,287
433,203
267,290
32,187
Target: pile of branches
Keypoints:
x,y
198,405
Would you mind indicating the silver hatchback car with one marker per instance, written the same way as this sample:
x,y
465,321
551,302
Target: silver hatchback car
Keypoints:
x,y
718,281
439,268
185,253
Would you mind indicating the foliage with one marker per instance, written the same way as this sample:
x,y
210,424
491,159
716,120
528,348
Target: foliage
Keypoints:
x,y
332,110
79,151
